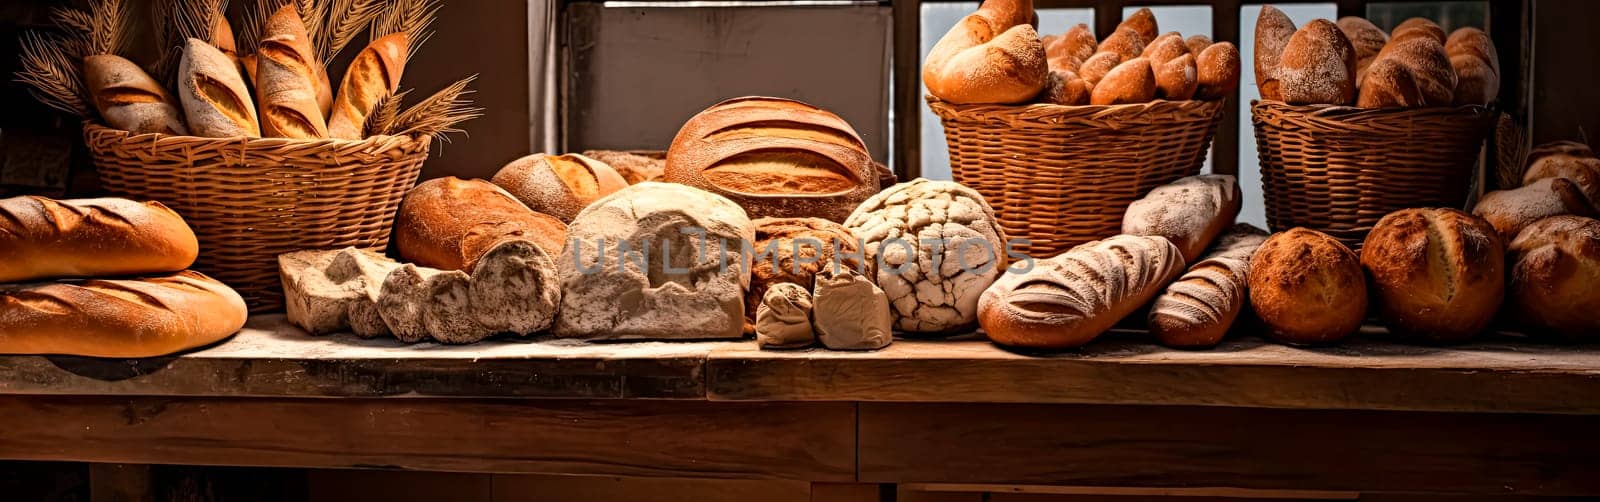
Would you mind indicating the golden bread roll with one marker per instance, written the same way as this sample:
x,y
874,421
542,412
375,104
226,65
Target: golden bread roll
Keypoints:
x,y
1071,49
991,56
1389,84
372,75
1437,274
1318,66
1429,65
1095,68
1197,43
1273,31
558,185
1143,22
1477,66
1125,42
1555,267
124,318
1165,48
1133,81
1176,79
1367,39
1217,71
1307,287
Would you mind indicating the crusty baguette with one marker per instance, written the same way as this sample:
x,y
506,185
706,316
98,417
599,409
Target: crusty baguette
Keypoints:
x,y
1197,310
373,74
1068,300
286,79
42,238
1069,51
1318,66
215,101
146,317
128,99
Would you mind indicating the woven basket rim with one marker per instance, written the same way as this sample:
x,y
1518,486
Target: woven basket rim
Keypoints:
x,y
1352,112
92,127
1052,114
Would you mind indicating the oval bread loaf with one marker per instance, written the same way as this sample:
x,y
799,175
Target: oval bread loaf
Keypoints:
x,y
1071,49
558,185
1191,212
42,238
450,223
992,56
124,318
1217,71
1133,81
1584,171
1318,66
1197,310
1367,40
1556,265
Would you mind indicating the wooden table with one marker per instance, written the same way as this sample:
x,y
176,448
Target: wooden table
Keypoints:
x,y
1497,417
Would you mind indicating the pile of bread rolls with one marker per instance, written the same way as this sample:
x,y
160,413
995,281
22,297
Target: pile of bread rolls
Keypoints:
x,y
114,281
1353,62
994,56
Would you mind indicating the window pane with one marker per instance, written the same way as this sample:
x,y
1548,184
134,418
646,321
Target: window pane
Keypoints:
x,y
1254,210
1449,15
1185,19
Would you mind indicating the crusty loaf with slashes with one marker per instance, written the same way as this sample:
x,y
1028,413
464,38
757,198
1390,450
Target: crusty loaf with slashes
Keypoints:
x,y
287,79
1437,274
128,98
776,158
449,223
1197,310
147,317
42,238
1068,300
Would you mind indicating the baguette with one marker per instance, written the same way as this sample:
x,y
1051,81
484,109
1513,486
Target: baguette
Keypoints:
x,y
215,100
42,238
128,318
1068,300
128,98
286,79
373,74
1198,309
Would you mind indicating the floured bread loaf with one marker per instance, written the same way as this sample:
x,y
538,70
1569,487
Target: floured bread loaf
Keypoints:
x,y
1065,88
794,250
1068,300
128,98
1190,212
900,228
1176,79
635,166
558,185
992,56
1418,27
1511,210
1217,71
1477,66
1273,30
1307,287
1197,310
331,291
783,320
776,158
1367,40
1165,48
1430,67
1318,66
1133,81
1127,43
1437,274
1582,170
693,277
850,313
42,238
122,318
1197,43
1555,267
1143,22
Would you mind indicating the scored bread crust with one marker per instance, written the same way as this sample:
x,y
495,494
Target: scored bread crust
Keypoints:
x,y
450,223
373,74
558,185
1437,274
123,318
287,79
128,98
216,103
1197,310
1556,264
1068,300
43,238
1307,287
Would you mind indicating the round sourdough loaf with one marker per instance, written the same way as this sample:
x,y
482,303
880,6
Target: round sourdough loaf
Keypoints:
x,y
776,158
1437,274
558,185
449,223
1307,287
42,238
124,318
1556,265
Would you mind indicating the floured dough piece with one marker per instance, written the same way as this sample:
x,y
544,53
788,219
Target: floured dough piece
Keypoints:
x,y
851,313
783,320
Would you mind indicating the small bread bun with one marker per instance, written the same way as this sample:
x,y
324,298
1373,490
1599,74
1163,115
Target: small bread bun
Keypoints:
x,y
1070,50
1582,170
1217,71
1098,66
1125,42
1555,266
1273,30
1474,42
1142,21
1389,84
1512,210
1476,64
1133,81
988,57
1318,66
1176,79
1065,88
1417,27
1559,147
1165,48
1367,39
1437,274
1197,43
1307,287
558,185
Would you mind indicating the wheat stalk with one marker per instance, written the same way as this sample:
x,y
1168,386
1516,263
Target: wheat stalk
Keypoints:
x,y
108,24
411,17
54,77
312,13
346,19
77,24
383,115
438,115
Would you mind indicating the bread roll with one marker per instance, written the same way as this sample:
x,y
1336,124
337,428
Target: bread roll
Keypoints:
x,y
635,166
1318,66
128,99
1165,48
1389,84
286,79
1190,212
449,223
1065,88
1133,81
1176,79
1476,64
128,318
1470,41
1217,71
1068,300
373,74
1096,67
991,56
42,238
1127,43
1437,274
1558,147
1307,287
1143,22
1273,31
1555,267
558,185
216,103
776,158
1417,27
1511,210
1197,43
1429,65
1069,51
1197,310
1367,40
1584,171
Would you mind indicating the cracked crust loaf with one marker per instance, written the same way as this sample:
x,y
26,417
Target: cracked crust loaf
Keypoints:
x,y
1437,274
1307,287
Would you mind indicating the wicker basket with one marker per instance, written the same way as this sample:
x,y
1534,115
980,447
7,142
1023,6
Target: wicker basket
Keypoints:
x,y
1060,176
1338,169
250,200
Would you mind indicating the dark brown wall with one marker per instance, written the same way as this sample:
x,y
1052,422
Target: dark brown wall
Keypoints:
x,y
1565,101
